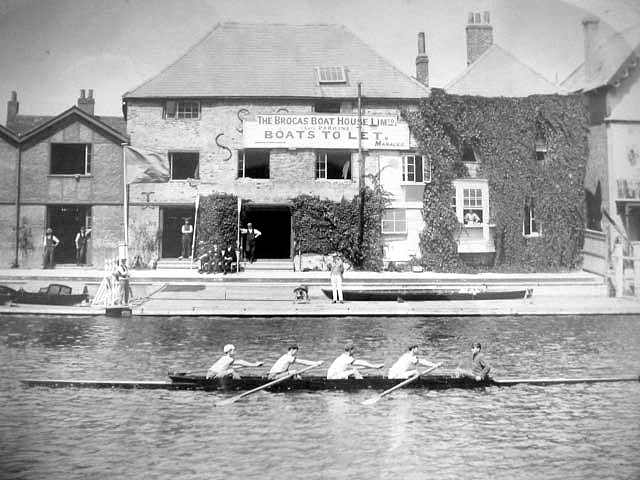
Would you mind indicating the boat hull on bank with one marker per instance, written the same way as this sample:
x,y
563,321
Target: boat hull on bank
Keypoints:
x,y
428,294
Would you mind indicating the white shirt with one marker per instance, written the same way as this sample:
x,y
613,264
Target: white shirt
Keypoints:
x,y
282,364
221,366
341,367
405,363
187,229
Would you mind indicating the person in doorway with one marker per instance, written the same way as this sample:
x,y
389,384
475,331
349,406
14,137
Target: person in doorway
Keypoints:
x,y
282,365
82,238
250,243
186,231
344,366
122,274
229,259
479,367
50,243
405,366
337,272
223,367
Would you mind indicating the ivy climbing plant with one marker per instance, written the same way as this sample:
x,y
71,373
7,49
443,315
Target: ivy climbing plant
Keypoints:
x,y
504,132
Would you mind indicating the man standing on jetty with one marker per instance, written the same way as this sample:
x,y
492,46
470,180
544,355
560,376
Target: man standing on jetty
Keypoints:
x,y
187,236
337,273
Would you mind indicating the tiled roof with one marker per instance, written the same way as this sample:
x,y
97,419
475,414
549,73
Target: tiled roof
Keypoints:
x,y
277,60
611,57
23,124
498,73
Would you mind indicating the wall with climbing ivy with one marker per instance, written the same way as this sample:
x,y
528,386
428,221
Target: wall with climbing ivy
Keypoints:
x,y
503,132
218,220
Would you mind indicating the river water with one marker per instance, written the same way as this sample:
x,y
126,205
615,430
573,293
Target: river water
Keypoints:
x,y
524,432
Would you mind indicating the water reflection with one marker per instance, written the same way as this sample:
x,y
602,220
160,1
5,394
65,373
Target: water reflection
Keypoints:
x,y
564,431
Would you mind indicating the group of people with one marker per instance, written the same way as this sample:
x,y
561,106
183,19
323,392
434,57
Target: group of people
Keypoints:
x,y
51,242
345,365
215,260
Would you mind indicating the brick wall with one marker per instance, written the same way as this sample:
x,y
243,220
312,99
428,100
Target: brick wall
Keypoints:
x,y
8,162
32,218
7,235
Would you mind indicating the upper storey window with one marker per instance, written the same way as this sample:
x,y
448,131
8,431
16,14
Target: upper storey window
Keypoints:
x,y
327,107
70,159
331,75
181,109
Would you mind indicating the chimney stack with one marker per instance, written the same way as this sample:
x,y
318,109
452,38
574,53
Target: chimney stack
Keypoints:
x,y
86,103
12,108
590,27
479,35
422,61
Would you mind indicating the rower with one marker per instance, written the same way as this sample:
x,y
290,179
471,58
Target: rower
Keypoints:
x,y
281,367
223,366
343,367
479,367
403,368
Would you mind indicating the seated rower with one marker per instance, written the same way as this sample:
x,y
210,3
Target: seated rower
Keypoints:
x,y
404,366
479,367
344,366
224,366
281,367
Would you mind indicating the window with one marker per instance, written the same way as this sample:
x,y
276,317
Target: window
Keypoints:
x,y
394,221
416,168
333,165
331,75
181,109
472,206
70,159
468,153
327,107
253,164
184,165
530,228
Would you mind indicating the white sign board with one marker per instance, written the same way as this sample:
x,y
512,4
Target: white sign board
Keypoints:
x,y
325,131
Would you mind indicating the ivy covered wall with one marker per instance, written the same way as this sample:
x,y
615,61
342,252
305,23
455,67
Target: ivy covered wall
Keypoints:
x,y
218,220
502,132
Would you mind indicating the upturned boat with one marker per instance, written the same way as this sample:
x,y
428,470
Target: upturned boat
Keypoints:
x,y
409,293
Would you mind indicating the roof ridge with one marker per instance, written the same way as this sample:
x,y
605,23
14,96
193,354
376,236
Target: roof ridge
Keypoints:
x,y
187,52
375,52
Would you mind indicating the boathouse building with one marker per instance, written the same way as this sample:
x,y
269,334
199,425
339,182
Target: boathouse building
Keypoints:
x,y
268,112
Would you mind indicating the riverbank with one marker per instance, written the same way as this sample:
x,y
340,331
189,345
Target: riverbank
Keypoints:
x,y
184,292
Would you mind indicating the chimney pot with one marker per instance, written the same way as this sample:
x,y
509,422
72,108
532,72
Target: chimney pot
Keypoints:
x,y
470,20
422,61
82,95
479,36
91,93
13,107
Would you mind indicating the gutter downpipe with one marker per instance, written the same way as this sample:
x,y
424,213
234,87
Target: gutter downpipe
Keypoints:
x,y
18,192
125,202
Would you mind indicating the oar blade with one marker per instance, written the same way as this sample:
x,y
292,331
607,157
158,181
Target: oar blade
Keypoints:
x,y
372,400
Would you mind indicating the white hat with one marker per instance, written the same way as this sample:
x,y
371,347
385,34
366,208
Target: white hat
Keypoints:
x,y
228,347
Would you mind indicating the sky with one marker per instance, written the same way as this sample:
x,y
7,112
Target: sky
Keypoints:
x,y
53,48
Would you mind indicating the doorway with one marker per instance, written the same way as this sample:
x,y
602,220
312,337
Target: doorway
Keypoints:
x,y
274,223
172,221
66,220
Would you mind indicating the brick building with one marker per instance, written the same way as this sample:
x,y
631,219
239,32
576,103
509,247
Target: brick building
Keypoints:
x,y
66,171
268,112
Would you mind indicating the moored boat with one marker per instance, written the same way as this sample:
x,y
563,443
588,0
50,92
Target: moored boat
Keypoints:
x,y
429,293
54,294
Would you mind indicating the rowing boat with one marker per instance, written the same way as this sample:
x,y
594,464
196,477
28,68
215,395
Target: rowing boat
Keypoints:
x,y
373,293
183,381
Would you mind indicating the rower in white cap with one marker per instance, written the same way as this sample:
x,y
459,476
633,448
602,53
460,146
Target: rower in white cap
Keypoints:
x,y
224,365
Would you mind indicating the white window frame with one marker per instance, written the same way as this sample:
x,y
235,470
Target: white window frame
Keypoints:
x,y
409,168
460,186
242,162
398,225
181,112
472,201
321,167
334,74
530,212
87,159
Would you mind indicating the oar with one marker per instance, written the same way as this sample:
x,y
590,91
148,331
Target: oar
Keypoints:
x,y
373,400
228,401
